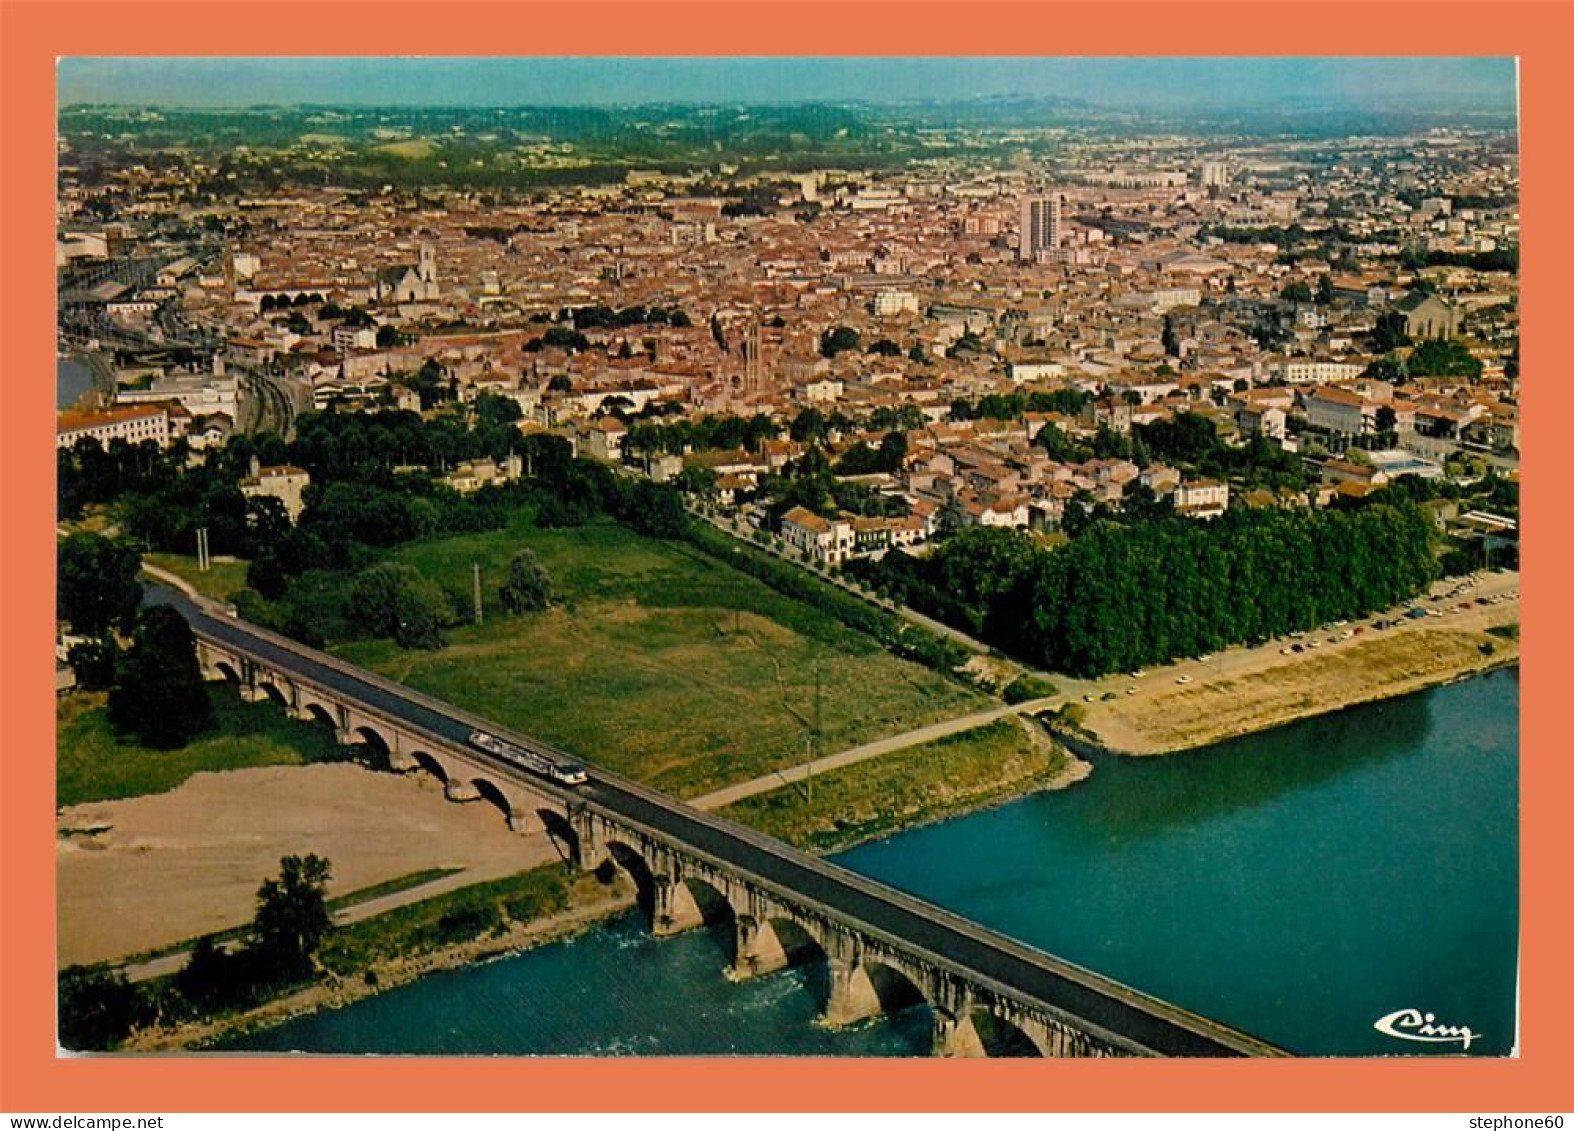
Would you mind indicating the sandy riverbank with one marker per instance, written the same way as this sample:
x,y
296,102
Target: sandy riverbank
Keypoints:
x,y
170,867
1246,690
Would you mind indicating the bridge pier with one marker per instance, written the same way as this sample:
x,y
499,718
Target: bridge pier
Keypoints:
x,y
517,821
675,910
955,1035
457,789
757,949
590,841
853,997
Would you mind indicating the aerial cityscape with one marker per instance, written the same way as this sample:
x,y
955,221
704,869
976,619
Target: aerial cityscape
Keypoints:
x,y
788,557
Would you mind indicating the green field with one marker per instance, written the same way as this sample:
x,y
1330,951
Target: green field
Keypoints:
x,y
222,580
658,661
905,787
91,765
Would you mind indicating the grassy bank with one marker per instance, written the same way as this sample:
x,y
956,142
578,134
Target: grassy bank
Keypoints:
x,y
460,916
908,787
396,947
221,581
93,764
658,661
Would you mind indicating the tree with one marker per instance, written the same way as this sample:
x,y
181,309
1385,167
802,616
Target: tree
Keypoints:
x,y
292,916
393,599
98,587
656,510
1297,291
158,694
893,452
93,661
98,1008
528,588
1389,333
833,342
1390,367
809,426
1325,289
1439,357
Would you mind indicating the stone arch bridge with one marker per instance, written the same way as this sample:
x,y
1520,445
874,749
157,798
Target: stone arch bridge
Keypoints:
x,y
774,906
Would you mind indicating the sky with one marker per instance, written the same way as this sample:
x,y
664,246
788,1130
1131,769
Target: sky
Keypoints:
x,y
1151,83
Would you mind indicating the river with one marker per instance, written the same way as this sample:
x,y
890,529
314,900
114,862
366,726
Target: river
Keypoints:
x,y
1299,884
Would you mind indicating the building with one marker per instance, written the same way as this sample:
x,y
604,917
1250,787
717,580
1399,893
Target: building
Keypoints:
x,y
472,475
1340,410
603,439
136,425
892,301
1213,174
1201,498
816,538
1428,316
283,482
409,282
1040,230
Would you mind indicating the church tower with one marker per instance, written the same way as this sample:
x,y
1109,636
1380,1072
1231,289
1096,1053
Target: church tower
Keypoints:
x,y
428,271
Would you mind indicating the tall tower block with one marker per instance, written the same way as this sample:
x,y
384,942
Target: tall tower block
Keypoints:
x,y
1040,226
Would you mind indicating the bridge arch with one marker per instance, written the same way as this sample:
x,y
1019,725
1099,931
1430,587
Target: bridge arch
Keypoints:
x,y
228,671
277,694
798,944
492,792
561,832
319,713
999,1036
425,761
378,750
634,863
895,988
769,943
713,904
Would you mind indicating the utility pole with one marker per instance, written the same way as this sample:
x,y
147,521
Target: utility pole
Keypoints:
x,y
477,591
818,702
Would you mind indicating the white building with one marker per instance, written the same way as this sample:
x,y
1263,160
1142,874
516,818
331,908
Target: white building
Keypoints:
x,y
816,538
134,425
283,482
892,301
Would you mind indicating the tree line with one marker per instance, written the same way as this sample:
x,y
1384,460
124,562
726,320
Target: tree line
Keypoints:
x,y
1124,596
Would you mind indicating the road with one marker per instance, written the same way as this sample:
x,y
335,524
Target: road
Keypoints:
x,y
173,962
855,754
939,629
874,910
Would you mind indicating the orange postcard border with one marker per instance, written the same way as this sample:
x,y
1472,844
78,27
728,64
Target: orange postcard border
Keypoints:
x,y
35,33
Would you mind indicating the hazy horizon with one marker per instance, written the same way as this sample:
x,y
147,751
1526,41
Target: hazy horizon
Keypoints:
x,y
1116,83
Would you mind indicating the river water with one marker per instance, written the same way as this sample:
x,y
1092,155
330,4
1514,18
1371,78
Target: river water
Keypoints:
x,y
1299,884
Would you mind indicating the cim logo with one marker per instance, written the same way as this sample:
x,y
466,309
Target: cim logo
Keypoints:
x,y
1413,1025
